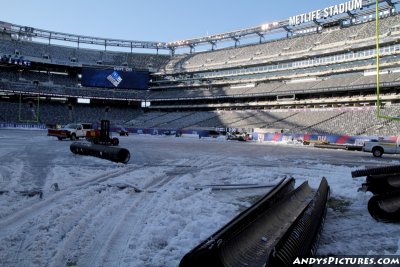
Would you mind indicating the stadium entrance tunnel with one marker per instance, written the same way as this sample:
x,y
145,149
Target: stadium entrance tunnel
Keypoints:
x,y
115,154
286,223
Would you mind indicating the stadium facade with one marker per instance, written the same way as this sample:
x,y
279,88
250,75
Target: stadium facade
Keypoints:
x,y
310,73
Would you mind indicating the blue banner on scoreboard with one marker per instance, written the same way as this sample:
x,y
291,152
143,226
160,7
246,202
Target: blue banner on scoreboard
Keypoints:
x,y
124,78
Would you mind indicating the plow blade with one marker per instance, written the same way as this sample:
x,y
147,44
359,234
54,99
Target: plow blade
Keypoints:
x,y
301,239
385,207
383,183
251,237
376,171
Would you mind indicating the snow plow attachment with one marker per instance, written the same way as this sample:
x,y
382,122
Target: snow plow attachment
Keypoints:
x,y
262,235
385,207
384,183
115,154
301,239
376,171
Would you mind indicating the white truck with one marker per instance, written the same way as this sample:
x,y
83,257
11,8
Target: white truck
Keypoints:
x,y
378,147
73,131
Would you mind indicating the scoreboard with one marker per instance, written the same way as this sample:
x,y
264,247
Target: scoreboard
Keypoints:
x,y
123,78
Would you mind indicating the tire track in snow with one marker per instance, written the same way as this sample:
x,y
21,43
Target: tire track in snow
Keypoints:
x,y
27,213
106,249
85,217
26,221
18,230
61,224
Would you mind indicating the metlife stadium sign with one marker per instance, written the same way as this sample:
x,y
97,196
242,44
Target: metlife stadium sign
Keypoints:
x,y
326,12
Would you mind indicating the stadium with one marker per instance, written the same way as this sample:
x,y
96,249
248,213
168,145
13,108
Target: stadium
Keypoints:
x,y
319,78
327,76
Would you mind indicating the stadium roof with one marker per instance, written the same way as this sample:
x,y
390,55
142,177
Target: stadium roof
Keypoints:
x,y
284,25
30,33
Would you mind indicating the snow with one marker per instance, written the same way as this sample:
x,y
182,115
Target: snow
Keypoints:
x,y
161,214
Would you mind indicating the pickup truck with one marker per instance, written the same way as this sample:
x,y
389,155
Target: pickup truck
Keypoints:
x,y
237,136
378,147
72,131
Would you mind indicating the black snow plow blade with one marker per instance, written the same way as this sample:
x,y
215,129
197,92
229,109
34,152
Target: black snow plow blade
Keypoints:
x,y
384,183
376,171
262,235
115,154
386,207
300,240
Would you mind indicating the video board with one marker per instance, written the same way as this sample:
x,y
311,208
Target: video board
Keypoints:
x,y
124,78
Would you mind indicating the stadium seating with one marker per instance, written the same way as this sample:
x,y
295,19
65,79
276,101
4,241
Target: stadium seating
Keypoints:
x,y
304,83
64,55
355,79
54,112
252,54
342,121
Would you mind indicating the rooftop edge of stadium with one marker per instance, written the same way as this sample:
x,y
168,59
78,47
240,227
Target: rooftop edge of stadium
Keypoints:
x,y
28,33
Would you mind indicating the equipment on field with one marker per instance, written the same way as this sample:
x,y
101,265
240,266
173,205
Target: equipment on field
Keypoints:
x,y
384,183
240,136
102,136
123,132
115,154
283,225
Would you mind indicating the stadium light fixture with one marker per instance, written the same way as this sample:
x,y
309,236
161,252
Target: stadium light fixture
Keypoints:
x,y
83,100
264,27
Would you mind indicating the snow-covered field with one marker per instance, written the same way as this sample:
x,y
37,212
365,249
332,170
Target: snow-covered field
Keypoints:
x,y
151,212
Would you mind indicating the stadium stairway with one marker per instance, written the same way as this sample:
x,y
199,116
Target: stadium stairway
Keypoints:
x,y
381,125
270,124
242,119
198,124
174,120
312,127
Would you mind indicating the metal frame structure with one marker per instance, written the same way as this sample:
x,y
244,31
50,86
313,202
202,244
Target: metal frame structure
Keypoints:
x,y
28,33
280,26
37,110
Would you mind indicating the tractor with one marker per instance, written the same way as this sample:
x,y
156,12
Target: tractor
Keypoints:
x,y
102,136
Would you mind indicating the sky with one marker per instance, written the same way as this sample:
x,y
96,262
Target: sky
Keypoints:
x,y
152,20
